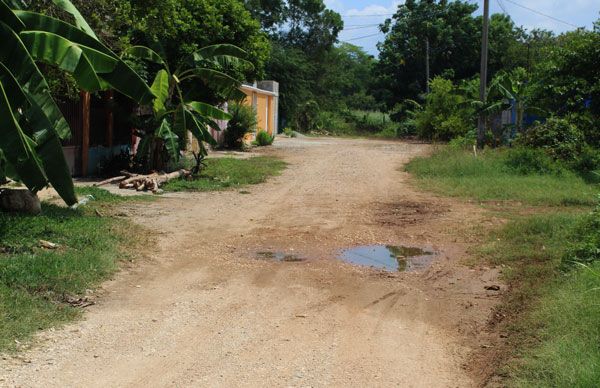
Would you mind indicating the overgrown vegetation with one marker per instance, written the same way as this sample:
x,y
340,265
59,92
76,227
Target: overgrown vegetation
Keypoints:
x,y
502,175
224,173
550,312
37,283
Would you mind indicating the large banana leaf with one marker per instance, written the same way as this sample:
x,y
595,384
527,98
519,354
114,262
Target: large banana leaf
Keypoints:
x,y
121,78
9,18
56,50
80,22
225,55
208,110
47,148
17,148
145,53
170,138
160,88
17,60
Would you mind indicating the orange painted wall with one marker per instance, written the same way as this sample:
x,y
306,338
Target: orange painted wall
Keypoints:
x,y
261,111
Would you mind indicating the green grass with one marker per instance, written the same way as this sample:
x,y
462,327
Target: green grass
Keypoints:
x,y
551,312
35,282
568,322
224,173
459,173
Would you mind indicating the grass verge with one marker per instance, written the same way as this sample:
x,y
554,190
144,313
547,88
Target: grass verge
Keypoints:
x,y
489,177
224,173
35,283
551,311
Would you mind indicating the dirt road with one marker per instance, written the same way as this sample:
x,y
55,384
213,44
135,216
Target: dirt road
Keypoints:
x,y
204,311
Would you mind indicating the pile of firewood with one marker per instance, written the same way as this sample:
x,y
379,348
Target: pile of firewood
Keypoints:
x,y
150,182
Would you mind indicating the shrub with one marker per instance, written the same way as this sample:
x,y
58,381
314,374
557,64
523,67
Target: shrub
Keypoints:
x,y
527,161
335,123
243,121
586,249
466,141
558,137
307,117
446,113
264,139
588,160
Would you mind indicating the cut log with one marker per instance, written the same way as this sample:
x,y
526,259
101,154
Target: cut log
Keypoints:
x,y
151,182
110,180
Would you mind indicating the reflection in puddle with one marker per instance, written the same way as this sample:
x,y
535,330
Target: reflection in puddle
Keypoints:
x,y
388,257
279,256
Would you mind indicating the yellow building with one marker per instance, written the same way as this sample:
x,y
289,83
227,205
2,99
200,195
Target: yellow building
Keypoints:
x,y
263,96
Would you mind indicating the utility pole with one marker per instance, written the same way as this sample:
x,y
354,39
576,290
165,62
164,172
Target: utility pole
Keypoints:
x,y
483,73
427,65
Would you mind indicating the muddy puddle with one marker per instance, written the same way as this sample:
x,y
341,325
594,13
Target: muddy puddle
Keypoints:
x,y
279,256
389,257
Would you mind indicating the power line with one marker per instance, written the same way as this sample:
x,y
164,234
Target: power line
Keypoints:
x,y
364,37
542,14
361,25
502,6
360,28
368,16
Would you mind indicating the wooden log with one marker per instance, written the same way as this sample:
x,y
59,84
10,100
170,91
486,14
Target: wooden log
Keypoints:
x,y
151,182
110,180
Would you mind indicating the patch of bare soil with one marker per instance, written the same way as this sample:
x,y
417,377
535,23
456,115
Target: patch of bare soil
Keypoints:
x,y
206,311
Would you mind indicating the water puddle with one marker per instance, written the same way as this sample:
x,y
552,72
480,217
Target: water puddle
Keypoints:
x,y
279,256
389,258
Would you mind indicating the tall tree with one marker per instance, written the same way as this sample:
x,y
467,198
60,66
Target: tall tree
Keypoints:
x,y
454,37
452,33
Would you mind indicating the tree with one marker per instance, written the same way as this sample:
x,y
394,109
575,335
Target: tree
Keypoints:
x,y
567,81
32,125
452,34
311,26
270,13
454,38
177,29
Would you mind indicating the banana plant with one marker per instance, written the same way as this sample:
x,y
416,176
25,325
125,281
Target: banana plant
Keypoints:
x,y
174,113
31,124
513,86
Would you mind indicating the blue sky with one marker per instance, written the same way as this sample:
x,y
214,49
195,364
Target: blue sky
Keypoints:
x,y
360,22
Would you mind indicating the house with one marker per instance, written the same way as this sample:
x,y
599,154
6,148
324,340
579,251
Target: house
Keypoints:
x,y
102,127
263,97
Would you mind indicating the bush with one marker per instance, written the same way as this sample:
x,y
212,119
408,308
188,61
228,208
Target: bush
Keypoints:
x,y
446,113
307,117
466,141
264,139
335,123
588,161
586,249
558,137
243,121
527,161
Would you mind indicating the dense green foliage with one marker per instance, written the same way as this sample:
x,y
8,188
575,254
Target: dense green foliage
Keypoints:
x,y
446,113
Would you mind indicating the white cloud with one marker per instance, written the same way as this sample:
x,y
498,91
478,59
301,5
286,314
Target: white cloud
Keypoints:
x,y
375,9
